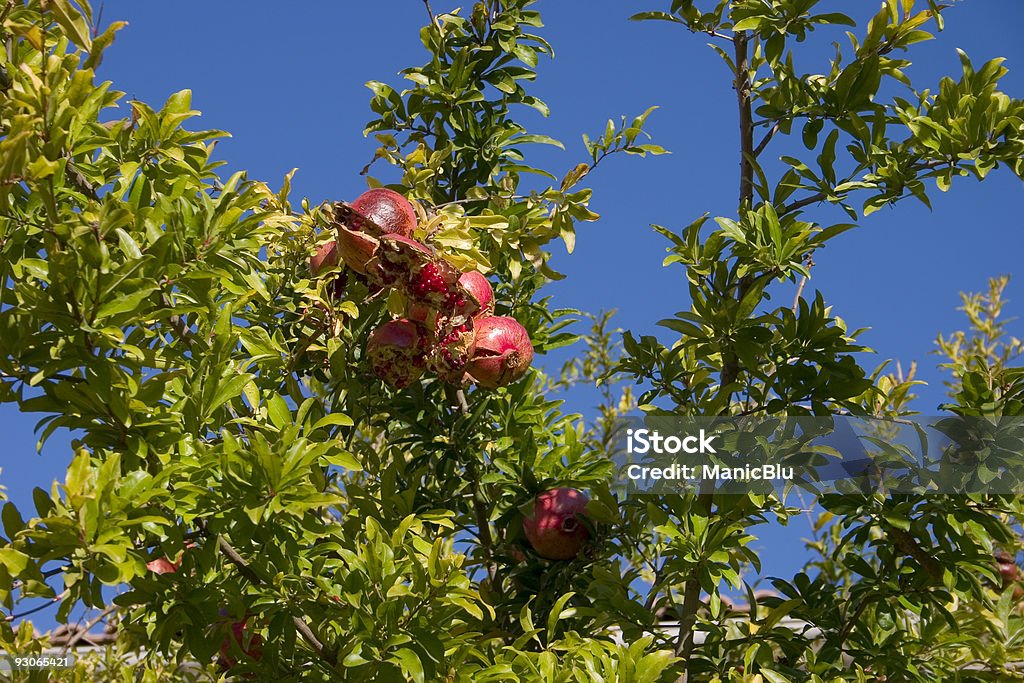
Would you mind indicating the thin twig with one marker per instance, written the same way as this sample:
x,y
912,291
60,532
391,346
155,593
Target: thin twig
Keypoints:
x,y
80,182
84,631
24,377
38,608
799,292
433,19
806,201
767,138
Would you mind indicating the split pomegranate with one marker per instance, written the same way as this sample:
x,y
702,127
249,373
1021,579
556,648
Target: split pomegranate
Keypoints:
x,y
396,352
503,352
356,249
387,209
472,297
451,353
554,529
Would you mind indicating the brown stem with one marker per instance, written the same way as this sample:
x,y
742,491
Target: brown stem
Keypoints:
x,y
479,508
908,545
37,608
691,592
799,292
743,88
178,323
80,182
730,363
433,17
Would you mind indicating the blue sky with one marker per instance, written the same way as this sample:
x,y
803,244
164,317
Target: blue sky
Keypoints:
x,y
287,80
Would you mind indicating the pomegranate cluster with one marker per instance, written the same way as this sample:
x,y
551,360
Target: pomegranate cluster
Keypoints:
x,y
449,327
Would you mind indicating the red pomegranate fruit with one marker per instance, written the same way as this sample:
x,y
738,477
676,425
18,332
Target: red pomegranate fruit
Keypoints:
x,y
503,352
1009,572
251,645
480,289
326,257
396,352
162,565
554,528
387,209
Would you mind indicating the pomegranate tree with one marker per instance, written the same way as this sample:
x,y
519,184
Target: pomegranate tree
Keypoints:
x,y
554,528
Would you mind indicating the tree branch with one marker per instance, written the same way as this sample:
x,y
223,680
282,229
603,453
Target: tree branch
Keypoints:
x,y
767,138
300,625
80,182
84,631
743,88
37,608
691,592
26,377
479,508
730,363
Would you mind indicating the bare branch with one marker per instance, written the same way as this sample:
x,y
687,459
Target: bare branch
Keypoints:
x,y
84,631
38,608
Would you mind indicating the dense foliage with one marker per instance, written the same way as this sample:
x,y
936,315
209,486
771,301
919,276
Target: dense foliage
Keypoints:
x,y
226,417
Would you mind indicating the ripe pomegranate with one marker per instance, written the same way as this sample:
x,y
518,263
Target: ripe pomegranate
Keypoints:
x,y
251,645
1009,572
554,530
396,352
503,352
326,257
162,565
480,289
1008,569
388,210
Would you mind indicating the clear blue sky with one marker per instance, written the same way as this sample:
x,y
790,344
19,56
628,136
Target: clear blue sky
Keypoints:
x,y
286,79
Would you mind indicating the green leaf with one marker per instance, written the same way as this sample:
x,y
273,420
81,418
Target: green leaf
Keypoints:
x,y
344,459
339,419
15,561
410,663
278,411
125,303
228,390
